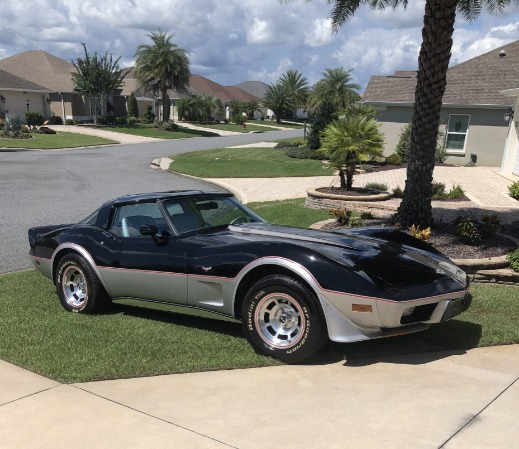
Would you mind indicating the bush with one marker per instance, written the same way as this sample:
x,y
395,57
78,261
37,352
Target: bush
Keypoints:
x,y
513,259
318,121
300,153
440,155
367,216
439,193
149,116
342,216
490,225
46,130
456,193
393,159
238,118
290,144
170,126
398,192
514,190
34,119
133,108
366,167
376,186
70,121
467,231
403,146
121,120
420,234
132,120
55,120
12,122
102,120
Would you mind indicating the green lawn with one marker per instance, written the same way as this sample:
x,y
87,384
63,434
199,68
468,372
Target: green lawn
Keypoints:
x,y
37,334
52,141
289,212
147,130
246,163
234,127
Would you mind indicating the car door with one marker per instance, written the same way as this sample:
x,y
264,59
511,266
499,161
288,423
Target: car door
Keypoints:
x,y
151,267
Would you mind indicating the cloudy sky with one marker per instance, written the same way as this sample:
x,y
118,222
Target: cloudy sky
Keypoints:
x,y
236,40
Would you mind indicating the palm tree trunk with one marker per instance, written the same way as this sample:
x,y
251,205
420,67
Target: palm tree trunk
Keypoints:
x,y
433,63
350,170
342,178
165,105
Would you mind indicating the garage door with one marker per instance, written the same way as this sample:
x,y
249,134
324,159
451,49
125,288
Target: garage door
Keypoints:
x,y
515,171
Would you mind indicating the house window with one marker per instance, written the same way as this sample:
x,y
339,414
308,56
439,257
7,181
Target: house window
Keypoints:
x,y
457,133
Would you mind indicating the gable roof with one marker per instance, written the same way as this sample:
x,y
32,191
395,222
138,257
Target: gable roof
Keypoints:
x,y
41,68
256,88
8,81
477,81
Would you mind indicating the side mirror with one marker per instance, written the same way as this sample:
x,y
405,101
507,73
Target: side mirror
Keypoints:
x,y
148,230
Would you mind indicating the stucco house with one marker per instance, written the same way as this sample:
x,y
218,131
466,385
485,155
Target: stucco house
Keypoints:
x,y
510,163
38,73
17,95
473,108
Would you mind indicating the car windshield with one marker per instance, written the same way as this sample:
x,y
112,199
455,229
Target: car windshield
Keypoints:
x,y
191,214
91,219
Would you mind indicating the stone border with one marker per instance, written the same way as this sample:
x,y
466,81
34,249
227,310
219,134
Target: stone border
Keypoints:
x,y
313,193
488,270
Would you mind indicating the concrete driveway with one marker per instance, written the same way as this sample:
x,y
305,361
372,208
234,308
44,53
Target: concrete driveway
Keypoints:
x,y
442,400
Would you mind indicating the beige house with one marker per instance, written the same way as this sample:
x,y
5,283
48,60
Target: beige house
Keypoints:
x,y
510,163
473,107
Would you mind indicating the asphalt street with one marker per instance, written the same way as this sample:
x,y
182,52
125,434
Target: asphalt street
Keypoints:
x,y
63,186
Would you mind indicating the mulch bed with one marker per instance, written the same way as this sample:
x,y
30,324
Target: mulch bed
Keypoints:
x,y
444,239
355,191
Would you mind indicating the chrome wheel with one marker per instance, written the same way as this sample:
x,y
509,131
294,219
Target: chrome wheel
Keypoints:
x,y
74,287
280,320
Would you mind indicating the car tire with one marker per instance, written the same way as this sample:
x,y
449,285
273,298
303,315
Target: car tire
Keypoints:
x,y
281,317
79,289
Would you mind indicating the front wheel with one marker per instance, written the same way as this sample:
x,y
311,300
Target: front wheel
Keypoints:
x,y
281,317
78,287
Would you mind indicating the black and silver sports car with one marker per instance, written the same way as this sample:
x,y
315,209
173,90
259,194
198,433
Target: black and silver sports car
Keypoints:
x,y
292,288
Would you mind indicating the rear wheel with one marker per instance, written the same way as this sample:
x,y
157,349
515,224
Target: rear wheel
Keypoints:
x,y
79,289
281,317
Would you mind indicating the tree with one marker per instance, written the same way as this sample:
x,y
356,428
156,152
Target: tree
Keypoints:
x,y
433,62
133,107
318,120
335,87
96,77
278,99
162,66
251,107
297,86
349,140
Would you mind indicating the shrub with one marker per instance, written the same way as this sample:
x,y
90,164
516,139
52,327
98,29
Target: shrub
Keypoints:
x,y
12,122
318,121
467,230
456,193
132,120
403,146
514,190
490,225
366,167
393,159
102,120
2,123
376,186
398,192
46,130
55,120
290,144
149,116
70,121
513,259
300,153
121,120
170,126
342,216
420,234
366,216
238,118
34,119
438,191
440,155
133,107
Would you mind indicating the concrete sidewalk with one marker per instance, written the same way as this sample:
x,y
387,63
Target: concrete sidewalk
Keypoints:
x,y
99,132
449,400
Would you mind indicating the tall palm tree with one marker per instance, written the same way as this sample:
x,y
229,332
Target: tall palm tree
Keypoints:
x,y
334,87
162,66
433,62
297,85
278,99
349,140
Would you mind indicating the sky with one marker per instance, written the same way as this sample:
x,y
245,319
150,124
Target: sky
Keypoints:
x,y
230,41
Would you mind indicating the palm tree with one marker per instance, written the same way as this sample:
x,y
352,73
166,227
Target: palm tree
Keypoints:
x,y
348,141
297,85
335,87
433,63
278,99
162,66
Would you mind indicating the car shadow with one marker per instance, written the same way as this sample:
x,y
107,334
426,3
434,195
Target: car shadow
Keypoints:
x,y
441,340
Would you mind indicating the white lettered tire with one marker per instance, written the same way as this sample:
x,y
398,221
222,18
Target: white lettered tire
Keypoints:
x,y
282,317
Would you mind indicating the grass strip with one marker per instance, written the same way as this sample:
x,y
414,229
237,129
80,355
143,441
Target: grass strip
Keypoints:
x,y
37,334
246,163
54,141
148,130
